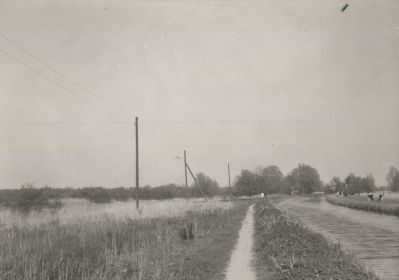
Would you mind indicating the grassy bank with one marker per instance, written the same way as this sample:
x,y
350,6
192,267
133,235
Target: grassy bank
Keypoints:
x,y
112,248
287,250
387,206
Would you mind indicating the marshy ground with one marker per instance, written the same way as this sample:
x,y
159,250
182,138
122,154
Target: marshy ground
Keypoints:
x,y
113,241
109,246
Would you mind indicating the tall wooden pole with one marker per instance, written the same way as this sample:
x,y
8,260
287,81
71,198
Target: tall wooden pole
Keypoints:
x,y
228,170
137,163
185,172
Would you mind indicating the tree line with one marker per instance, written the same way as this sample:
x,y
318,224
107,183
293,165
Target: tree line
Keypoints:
x,y
30,197
303,179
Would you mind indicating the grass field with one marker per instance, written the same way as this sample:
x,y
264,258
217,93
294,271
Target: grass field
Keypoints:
x,y
110,246
79,210
389,205
287,250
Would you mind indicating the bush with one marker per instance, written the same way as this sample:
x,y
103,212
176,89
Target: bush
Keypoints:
x,y
97,195
30,198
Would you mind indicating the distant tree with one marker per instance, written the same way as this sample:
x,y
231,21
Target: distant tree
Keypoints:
x,y
392,179
304,179
207,185
29,197
120,193
368,183
335,185
395,184
353,184
245,183
269,179
287,185
356,184
97,194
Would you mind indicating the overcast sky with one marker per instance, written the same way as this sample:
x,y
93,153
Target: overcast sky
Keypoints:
x,y
246,82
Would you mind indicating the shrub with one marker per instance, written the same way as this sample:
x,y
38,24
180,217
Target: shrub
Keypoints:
x,y
30,198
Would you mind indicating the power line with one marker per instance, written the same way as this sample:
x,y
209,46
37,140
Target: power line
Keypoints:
x,y
157,141
61,74
57,83
248,121
65,121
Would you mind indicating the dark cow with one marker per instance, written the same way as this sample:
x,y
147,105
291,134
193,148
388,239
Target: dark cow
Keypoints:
x,y
379,197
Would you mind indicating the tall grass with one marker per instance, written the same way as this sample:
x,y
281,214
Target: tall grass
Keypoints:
x,y
387,206
75,210
287,250
113,247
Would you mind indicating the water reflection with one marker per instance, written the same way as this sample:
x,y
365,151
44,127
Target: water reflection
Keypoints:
x,y
373,237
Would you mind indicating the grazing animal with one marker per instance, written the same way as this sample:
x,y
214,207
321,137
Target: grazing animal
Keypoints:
x,y
262,196
342,194
370,196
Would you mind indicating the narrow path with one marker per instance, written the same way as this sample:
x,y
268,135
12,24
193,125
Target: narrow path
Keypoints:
x,y
240,262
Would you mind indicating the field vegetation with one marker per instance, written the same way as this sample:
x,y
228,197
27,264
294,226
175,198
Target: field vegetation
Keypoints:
x,y
27,198
387,205
287,250
30,197
303,179
112,247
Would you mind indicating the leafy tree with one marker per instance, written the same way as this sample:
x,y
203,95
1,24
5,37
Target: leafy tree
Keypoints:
x,y
207,185
368,183
28,198
335,185
395,184
304,179
245,183
393,179
356,184
269,179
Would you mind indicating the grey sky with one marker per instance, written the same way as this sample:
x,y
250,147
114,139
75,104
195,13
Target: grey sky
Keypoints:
x,y
249,82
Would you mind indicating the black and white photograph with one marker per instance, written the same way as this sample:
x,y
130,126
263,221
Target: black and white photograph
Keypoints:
x,y
199,140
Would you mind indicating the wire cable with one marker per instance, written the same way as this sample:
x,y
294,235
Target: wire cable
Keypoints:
x,y
58,84
65,77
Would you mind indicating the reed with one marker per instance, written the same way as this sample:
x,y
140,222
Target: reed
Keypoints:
x,y
112,247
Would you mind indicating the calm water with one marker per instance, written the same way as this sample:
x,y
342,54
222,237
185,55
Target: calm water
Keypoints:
x,y
374,238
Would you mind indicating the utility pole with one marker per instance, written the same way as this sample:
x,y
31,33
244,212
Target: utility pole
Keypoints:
x,y
228,170
137,163
185,173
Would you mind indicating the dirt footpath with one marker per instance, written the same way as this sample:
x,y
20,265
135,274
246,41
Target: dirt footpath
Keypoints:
x,y
240,266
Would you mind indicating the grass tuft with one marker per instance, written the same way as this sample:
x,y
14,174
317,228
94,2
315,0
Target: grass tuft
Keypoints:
x,y
287,250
